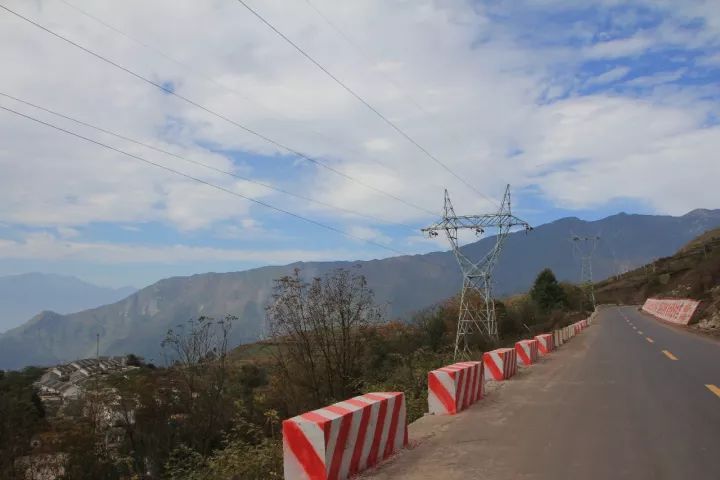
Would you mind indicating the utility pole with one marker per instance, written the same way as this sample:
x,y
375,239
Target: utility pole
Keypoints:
x,y
477,306
584,248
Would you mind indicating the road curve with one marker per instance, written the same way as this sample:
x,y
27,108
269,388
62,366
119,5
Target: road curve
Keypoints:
x,y
629,398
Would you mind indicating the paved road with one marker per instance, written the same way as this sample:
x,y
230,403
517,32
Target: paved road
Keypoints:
x,y
608,405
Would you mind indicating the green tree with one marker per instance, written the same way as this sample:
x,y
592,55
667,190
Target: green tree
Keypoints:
x,y
547,292
21,416
433,328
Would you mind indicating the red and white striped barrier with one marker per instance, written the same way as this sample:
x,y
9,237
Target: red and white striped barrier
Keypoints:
x,y
678,311
455,387
545,344
527,352
500,364
579,326
558,337
343,439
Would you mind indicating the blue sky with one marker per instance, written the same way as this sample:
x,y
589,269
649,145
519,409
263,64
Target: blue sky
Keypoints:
x,y
585,108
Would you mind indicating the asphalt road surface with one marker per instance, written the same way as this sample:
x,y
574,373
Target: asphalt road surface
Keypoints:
x,y
629,398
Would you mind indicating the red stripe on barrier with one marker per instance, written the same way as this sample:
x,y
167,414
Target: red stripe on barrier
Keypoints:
x,y
469,388
360,442
519,348
439,390
390,445
382,412
463,387
493,368
301,449
313,417
343,434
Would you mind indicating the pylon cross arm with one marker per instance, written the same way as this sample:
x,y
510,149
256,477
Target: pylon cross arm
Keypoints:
x,y
476,311
475,222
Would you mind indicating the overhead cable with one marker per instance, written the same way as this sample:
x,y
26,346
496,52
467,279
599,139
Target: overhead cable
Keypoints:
x,y
204,182
255,133
357,96
204,165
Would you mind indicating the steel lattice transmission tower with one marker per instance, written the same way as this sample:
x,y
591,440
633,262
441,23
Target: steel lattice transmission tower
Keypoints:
x,y
584,248
477,306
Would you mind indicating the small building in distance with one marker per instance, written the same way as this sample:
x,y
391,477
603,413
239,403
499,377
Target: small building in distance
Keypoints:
x,y
63,383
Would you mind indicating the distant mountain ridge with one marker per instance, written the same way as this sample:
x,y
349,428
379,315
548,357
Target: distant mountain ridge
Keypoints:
x,y
407,284
27,294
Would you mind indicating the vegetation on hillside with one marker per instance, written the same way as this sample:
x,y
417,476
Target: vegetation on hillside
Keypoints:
x,y
21,416
214,414
693,272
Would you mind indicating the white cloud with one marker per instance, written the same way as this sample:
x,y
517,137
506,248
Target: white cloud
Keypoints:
x,y
627,149
610,76
68,232
480,82
657,78
378,145
710,60
622,47
43,246
367,233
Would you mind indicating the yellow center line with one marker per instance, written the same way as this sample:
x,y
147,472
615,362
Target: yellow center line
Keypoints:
x,y
649,339
714,389
669,355
639,332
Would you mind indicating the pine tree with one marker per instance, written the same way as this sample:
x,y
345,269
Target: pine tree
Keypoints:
x,y
547,292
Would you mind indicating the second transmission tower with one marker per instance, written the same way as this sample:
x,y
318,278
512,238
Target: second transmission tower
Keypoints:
x,y
584,248
477,306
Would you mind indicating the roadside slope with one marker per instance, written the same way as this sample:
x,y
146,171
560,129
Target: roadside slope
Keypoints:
x,y
693,272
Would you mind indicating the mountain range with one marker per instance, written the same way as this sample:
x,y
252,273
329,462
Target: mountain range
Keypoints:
x,y
406,284
24,295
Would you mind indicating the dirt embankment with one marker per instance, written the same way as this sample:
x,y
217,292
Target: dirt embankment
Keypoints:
x,y
693,272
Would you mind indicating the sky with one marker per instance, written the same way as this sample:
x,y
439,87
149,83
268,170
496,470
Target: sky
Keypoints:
x,y
585,108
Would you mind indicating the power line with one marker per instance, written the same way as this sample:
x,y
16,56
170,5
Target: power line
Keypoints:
x,y
360,98
204,165
204,182
204,76
257,134
363,53
404,91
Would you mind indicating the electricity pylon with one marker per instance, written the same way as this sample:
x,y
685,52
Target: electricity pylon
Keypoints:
x,y
477,306
584,247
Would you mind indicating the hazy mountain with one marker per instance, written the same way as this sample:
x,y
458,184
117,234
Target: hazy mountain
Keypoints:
x,y
25,295
408,283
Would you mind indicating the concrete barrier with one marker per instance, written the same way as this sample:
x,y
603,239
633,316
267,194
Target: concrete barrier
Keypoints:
x,y
579,326
678,311
557,338
338,441
500,364
545,344
527,352
455,387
